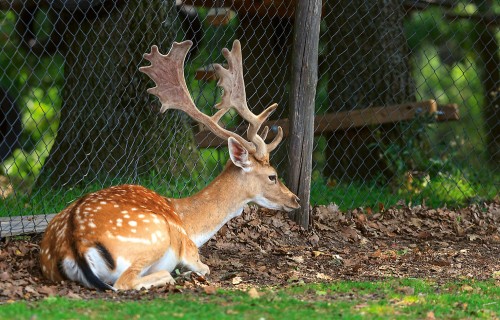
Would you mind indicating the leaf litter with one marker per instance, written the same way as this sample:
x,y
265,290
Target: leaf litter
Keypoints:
x,y
263,248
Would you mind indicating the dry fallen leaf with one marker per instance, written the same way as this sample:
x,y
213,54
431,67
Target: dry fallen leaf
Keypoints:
x,y
430,316
210,289
314,240
466,288
253,293
237,280
319,253
323,276
298,259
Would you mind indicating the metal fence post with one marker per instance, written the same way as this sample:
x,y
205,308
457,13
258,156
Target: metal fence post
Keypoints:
x,y
304,78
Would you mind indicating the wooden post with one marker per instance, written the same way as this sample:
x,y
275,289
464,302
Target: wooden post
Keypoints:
x,y
304,77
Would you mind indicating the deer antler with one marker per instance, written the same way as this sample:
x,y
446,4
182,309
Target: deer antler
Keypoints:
x,y
231,80
168,74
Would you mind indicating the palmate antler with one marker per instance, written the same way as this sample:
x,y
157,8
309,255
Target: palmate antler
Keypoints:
x,y
167,71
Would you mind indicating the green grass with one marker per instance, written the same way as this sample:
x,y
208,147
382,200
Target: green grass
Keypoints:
x,y
397,299
439,191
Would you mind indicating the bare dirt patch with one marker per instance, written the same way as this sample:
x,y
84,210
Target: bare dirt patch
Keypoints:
x,y
265,248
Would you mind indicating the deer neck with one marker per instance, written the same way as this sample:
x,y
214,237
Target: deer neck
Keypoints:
x,y
204,213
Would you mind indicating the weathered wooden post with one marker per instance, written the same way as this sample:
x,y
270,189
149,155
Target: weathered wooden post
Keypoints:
x,y
304,78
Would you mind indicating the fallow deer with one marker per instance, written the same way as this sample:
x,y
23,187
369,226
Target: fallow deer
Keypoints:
x,y
129,237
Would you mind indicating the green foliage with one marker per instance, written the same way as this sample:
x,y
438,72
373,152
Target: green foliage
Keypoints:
x,y
36,83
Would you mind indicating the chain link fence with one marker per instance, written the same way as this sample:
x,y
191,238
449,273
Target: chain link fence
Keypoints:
x,y
407,103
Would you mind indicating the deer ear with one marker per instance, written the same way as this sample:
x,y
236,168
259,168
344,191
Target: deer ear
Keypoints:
x,y
238,154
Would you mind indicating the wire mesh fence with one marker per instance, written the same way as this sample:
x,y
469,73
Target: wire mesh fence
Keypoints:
x,y
406,102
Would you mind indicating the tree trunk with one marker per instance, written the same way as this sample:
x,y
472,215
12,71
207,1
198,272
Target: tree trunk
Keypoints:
x,y
302,98
490,77
368,66
108,128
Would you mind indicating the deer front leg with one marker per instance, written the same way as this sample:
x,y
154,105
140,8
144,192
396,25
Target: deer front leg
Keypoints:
x,y
191,259
130,280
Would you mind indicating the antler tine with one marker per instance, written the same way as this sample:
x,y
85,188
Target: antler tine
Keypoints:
x,y
276,141
167,71
264,133
231,80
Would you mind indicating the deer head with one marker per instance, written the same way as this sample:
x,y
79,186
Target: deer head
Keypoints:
x,y
250,156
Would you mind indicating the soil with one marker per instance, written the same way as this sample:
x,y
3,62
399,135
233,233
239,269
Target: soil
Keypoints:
x,y
264,248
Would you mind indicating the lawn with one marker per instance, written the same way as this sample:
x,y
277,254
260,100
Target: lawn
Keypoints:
x,y
398,299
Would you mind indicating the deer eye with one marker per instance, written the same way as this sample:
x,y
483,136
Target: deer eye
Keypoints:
x,y
273,178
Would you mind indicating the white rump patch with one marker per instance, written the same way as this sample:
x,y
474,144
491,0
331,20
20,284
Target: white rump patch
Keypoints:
x,y
73,272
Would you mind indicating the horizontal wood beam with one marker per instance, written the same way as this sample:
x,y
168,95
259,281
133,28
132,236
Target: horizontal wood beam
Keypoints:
x,y
207,73
488,19
447,112
350,119
13,226
420,5
281,8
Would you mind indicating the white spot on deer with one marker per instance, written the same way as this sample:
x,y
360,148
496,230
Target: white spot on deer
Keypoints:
x,y
82,227
133,240
61,232
132,223
92,225
160,235
141,215
134,209
116,206
103,202
124,211
146,220
156,220
133,230
154,238
126,216
119,222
